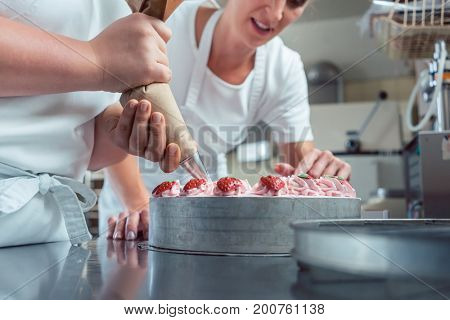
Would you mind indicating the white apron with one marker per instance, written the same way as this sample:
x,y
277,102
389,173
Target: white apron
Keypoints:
x,y
212,147
218,143
37,208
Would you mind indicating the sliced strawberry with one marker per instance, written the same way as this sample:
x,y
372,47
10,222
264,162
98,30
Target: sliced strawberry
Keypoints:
x,y
228,184
165,186
194,184
272,182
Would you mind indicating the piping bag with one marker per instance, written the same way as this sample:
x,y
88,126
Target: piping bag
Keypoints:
x,y
161,97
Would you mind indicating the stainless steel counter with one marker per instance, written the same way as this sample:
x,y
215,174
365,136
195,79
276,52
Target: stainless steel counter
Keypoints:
x,y
119,270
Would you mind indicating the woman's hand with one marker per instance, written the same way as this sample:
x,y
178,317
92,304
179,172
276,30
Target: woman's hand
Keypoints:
x,y
129,186
140,132
129,226
132,52
317,163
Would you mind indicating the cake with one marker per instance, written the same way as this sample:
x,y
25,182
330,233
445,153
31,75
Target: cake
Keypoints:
x,y
228,216
301,185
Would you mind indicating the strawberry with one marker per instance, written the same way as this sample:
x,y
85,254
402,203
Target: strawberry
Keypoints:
x,y
272,182
228,184
165,186
304,176
194,184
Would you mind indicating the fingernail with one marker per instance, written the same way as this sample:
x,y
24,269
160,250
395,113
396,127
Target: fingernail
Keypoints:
x,y
131,235
116,235
144,106
173,150
156,118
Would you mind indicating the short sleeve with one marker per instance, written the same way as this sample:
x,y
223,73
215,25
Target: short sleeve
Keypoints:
x,y
287,111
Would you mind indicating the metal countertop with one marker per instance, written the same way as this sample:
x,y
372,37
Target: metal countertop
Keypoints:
x,y
119,270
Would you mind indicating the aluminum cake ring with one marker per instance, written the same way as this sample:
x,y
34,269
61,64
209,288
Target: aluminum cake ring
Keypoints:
x,y
239,225
375,248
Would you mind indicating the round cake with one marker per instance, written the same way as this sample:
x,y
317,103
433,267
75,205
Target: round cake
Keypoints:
x,y
231,217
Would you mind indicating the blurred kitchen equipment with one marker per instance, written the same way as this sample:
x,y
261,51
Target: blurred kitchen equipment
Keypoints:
x,y
427,167
382,248
238,225
373,171
353,144
380,163
391,201
332,121
162,99
433,88
324,83
427,156
410,29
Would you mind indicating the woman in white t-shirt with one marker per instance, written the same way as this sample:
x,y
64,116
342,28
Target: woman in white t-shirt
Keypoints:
x,y
55,59
230,71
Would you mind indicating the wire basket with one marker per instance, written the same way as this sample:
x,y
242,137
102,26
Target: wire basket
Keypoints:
x,y
411,33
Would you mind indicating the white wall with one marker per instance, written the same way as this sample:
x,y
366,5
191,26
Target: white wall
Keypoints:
x,y
330,34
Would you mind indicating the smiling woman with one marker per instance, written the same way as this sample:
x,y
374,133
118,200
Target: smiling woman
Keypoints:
x,y
230,71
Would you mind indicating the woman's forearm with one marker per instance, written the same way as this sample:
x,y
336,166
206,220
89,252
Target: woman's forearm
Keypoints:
x,y
126,181
33,62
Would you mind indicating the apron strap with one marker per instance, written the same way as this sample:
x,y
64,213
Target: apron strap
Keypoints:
x,y
86,197
258,81
71,204
201,61
18,187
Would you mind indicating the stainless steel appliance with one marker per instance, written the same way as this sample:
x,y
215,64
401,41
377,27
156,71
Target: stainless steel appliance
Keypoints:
x,y
325,83
427,156
427,175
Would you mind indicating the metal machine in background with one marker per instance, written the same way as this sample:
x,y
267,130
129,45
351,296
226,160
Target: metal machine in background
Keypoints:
x,y
324,83
379,163
427,156
427,175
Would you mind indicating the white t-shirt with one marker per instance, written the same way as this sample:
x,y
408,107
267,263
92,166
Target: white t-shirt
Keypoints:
x,y
54,133
275,92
